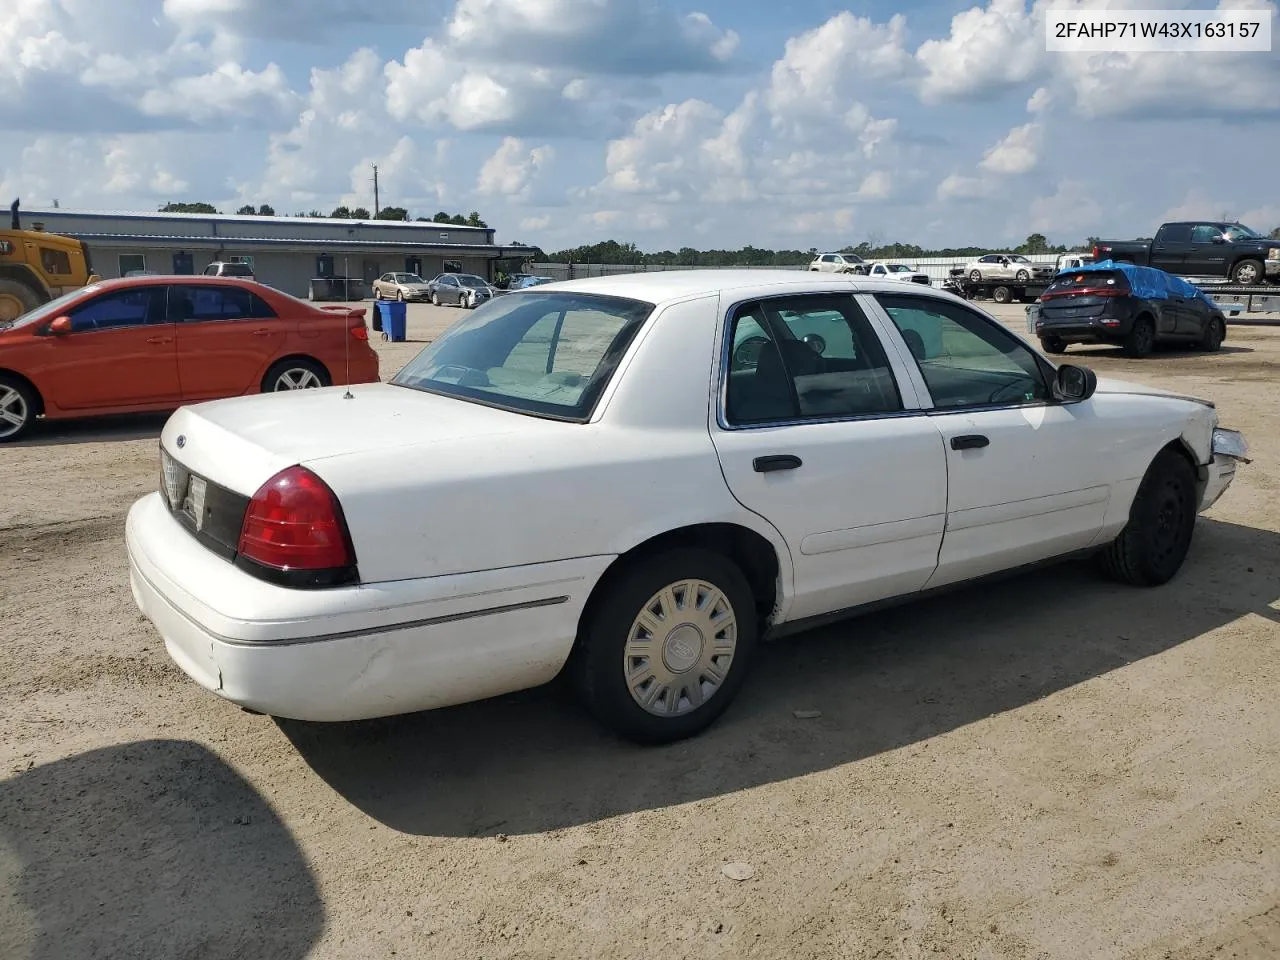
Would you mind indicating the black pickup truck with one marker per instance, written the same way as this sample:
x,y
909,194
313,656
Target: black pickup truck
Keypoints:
x,y
1201,248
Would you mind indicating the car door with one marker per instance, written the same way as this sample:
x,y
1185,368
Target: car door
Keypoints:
x,y
818,432
120,352
452,290
381,285
1028,478
1207,252
1170,246
226,336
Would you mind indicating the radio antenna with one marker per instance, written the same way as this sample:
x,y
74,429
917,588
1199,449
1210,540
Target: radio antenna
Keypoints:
x,y
346,340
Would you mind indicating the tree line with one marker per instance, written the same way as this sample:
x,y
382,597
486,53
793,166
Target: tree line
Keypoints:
x,y
338,213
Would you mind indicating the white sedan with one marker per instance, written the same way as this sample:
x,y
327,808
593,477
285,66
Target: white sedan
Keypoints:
x,y
633,479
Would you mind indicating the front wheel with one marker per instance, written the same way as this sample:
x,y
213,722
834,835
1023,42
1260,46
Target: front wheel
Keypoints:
x,y
435,299
17,409
1215,332
666,645
400,295
1023,275
1153,544
1247,272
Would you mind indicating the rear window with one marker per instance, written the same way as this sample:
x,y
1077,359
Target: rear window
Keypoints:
x,y
547,354
1088,279
237,270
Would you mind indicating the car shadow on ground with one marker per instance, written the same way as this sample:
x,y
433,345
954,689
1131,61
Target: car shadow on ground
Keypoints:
x,y
137,426
1161,352
149,849
533,762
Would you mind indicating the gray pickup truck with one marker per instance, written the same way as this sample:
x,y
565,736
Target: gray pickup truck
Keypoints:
x,y
1201,248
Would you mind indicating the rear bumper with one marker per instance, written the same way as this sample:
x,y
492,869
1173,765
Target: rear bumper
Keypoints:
x,y
358,652
1083,331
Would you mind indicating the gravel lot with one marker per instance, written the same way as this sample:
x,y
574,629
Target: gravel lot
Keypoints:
x,y
1049,767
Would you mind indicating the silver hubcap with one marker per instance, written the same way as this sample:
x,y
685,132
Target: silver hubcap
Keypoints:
x,y
13,411
298,378
1248,273
680,648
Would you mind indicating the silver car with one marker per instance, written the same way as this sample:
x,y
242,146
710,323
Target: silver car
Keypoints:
x,y
1007,266
462,289
838,263
401,286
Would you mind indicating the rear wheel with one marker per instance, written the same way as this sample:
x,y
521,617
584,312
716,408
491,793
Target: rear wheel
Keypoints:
x,y
1153,544
1053,344
1142,338
1215,332
667,645
299,374
17,409
16,299
1001,294
975,276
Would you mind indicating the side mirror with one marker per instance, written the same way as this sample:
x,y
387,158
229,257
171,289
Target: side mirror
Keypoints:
x,y
60,327
1219,239
816,343
1073,384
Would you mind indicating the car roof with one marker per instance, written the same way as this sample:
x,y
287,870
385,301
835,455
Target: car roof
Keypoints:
x,y
668,285
157,279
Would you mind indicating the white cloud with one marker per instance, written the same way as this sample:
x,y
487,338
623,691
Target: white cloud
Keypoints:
x,y
876,185
1072,207
512,168
1040,101
825,222
230,92
987,49
957,187
1017,153
535,223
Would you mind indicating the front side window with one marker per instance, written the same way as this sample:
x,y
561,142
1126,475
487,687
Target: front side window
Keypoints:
x,y
1204,233
472,281
547,354
828,258
55,261
966,360
809,357
133,307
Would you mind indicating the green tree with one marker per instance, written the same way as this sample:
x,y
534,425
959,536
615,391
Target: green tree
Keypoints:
x,y
1035,243
442,217
393,213
188,208
314,213
341,213
266,210
458,219
473,220
246,210
360,213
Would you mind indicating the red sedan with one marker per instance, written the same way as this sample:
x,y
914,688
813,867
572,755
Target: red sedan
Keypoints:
x,y
154,343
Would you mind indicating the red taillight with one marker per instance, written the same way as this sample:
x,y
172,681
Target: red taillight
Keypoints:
x,y
360,331
294,522
1085,292
1097,250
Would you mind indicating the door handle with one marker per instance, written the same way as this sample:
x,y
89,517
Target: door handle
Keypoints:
x,y
783,461
970,441
159,339
262,333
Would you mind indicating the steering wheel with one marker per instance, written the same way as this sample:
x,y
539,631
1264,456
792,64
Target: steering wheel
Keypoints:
x,y
747,353
1020,383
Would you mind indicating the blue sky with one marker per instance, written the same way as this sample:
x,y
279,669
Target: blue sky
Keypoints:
x,y
797,123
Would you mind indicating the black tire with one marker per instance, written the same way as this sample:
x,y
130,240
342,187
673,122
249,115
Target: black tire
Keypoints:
x,y
271,382
1215,331
598,665
975,276
435,299
17,399
1053,344
1152,546
1002,294
400,295
1248,273
12,292
1141,339
1022,275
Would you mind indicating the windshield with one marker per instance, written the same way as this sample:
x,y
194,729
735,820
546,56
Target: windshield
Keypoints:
x,y
470,280
1018,258
49,309
547,354
898,268
408,278
1238,231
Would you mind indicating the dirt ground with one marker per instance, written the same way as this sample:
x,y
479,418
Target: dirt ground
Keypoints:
x,y
1052,767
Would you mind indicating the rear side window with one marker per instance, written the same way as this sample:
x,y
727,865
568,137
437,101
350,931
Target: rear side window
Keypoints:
x,y
1091,279
194,304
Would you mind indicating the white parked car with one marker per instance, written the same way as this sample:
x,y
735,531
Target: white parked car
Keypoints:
x,y
632,479
838,263
1008,266
902,272
1070,261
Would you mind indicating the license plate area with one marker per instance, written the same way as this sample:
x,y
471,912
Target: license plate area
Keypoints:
x,y
210,512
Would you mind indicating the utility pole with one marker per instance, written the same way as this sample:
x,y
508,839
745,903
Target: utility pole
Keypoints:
x,y
375,191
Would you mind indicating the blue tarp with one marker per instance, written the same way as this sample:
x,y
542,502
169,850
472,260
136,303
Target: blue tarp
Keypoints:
x,y
1146,282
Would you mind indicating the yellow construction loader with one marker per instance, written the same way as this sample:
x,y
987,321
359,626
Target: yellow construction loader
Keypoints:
x,y
36,266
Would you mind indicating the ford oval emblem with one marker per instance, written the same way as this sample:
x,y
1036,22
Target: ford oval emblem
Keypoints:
x,y
182,441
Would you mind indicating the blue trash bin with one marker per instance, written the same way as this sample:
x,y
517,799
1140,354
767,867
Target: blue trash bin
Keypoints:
x,y
392,313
